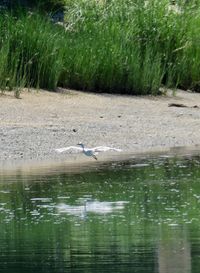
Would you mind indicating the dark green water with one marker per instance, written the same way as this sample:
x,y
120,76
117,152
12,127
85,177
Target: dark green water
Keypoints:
x,y
131,217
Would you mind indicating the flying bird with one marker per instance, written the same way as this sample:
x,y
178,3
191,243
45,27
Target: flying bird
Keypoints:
x,y
87,151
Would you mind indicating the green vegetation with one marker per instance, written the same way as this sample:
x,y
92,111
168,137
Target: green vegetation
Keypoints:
x,y
30,53
113,46
42,5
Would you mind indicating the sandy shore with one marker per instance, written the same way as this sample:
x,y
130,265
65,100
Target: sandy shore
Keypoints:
x,y
33,126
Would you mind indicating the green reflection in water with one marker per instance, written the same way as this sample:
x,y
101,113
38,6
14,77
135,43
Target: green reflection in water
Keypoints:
x,y
129,217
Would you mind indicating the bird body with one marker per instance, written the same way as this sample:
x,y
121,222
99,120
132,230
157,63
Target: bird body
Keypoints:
x,y
88,151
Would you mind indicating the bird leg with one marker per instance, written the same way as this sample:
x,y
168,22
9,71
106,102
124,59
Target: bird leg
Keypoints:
x,y
94,156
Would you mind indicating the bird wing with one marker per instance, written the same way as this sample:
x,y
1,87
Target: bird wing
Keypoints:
x,y
105,149
64,149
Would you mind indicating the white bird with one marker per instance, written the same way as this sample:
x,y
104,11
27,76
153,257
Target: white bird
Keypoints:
x,y
88,151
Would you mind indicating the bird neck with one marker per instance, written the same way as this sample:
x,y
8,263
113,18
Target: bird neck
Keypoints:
x,y
82,146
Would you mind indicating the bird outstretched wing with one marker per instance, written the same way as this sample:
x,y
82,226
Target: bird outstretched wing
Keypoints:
x,y
73,148
105,149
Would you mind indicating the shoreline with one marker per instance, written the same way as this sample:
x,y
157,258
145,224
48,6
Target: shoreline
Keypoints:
x,y
35,125
79,164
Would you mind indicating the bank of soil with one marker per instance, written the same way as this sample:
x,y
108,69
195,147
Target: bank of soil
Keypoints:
x,y
33,126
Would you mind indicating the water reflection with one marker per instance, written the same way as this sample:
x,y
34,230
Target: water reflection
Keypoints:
x,y
91,206
174,251
131,217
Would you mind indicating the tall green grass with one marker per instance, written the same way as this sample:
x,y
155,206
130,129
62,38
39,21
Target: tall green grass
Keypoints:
x,y
118,46
133,46
188,55
30,52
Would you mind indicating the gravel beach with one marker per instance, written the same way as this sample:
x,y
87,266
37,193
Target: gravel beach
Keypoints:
x,y
40,121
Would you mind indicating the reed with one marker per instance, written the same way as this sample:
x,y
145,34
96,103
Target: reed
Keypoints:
x,y
114,46
30,52
127,46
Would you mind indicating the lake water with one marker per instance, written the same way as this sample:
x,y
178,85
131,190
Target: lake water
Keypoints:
x,y
136,216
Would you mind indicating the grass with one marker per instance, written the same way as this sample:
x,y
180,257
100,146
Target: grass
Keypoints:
x,y
30,53
113,46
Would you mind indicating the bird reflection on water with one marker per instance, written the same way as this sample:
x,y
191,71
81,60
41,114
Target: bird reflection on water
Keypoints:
x,y
91,206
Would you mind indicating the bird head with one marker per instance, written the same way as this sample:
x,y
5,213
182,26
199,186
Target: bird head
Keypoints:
x,y
80,144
